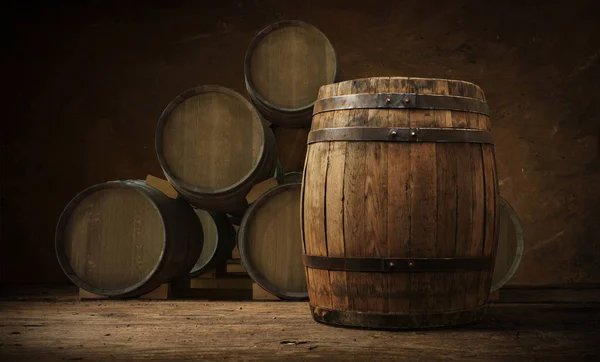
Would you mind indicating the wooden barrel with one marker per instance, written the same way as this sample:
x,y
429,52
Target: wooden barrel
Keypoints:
x,y
510,245
219,240
126,238
399,204
285,65
213,146
269,242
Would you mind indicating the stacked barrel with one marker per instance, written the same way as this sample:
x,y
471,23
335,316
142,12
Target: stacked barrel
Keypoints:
x,y
285,65
389,218
125,238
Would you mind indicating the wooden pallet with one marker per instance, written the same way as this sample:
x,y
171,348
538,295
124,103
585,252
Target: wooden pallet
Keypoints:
x,y
258,293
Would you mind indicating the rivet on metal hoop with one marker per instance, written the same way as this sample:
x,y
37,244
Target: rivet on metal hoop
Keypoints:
x,y
391,264
413,133
406,100
410,264
394,133
388,100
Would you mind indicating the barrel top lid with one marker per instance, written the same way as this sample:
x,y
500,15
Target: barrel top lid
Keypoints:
x,y
110,237
287,62
414,85
209,139
270,242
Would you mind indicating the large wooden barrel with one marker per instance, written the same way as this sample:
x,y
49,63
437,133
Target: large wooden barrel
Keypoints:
x,y
213,146
284,67
125,238
219,240
399,204
270,245
510,245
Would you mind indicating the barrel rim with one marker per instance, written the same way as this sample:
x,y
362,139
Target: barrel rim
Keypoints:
x,y
253,92
59,238
159,147
243,241
408,78
225,239
514,217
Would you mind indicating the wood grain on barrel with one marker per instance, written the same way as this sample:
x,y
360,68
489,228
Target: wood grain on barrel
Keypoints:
x,y
400,184
388,199
314,229
212,140
290,63
477,244
376,199
423,202
491,201
114,238
447,174
335,206
125,238
272,242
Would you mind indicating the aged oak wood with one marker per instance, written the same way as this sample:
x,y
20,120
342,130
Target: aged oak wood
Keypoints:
x,y
269,242
62,328
219,241
400,200
125,238
213,146
284,67
510,245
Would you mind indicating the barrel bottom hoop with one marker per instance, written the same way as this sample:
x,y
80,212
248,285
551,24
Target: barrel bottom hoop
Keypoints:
x,y
438,135
398,321
398,265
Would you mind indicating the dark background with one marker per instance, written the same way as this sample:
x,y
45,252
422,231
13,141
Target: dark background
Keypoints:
x,y
85,82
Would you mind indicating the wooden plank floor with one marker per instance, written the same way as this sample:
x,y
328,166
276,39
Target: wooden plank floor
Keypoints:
x,y
55,326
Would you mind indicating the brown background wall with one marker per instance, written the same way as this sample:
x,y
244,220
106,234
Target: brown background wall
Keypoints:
x,y
86,84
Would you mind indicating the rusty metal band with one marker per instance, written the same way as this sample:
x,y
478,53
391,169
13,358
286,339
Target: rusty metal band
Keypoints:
x,y
398,265
397,321
399,135
401,101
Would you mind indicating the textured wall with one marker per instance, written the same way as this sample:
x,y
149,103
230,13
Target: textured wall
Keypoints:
x,y
86,85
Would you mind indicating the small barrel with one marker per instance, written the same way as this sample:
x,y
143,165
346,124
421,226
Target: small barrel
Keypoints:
x,y
213,146
399,204
270,245
510,245
126,238
219,240
284,67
